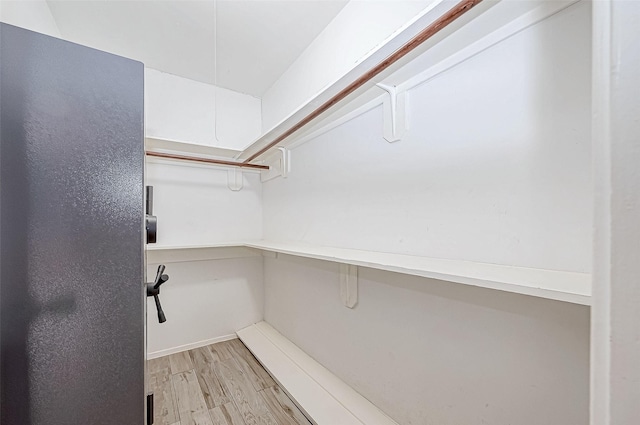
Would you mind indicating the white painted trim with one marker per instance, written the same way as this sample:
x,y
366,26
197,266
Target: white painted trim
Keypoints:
x,y
615,317
322,396
600,373
191,346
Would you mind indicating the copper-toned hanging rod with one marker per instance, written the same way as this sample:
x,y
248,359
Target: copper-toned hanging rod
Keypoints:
x,y
453,14
206,160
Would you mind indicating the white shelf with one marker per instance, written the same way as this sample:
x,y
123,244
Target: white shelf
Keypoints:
x,y
154,247
321,395
186,148
157,254
557,285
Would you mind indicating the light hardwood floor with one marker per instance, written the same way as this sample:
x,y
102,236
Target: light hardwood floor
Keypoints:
x,y
221,384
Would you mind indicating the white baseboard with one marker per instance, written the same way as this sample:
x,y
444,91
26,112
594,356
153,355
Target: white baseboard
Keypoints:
x,y
191,346
323,397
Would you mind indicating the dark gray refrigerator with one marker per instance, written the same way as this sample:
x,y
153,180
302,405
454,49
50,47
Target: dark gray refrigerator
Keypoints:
x,y
72,301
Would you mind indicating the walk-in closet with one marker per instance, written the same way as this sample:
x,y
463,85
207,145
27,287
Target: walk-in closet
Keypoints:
x,y
328,212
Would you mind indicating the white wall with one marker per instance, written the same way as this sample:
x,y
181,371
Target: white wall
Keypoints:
x,y
33,15
355,31
495,168
180,109
194,205
430,352
203,300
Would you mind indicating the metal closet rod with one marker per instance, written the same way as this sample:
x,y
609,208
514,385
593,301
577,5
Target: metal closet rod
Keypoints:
x,y
431,30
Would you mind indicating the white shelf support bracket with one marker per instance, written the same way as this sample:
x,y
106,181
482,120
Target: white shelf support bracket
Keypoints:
x,y
235,179
349,285
270,254
395,113
279,163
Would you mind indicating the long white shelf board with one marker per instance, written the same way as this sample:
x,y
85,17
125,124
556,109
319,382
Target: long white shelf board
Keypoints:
x,y
557,285
158,254
189,148
322,396
154,247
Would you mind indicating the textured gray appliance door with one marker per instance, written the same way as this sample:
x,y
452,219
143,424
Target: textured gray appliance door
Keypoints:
x,y
71,246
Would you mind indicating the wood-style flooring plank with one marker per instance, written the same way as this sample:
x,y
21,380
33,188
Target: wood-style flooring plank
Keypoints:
x,y
195,418
283,409
259,377
226,414
250,404
217,385
214,392
220,351
191,406
159,364
180,362
164,402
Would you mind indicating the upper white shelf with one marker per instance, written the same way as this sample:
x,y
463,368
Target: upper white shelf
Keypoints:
x,y
552,284
184,147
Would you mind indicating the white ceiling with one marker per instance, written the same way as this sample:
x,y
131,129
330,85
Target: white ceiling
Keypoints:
x,y
257,40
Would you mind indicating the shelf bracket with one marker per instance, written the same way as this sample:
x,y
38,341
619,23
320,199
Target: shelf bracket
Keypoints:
x,y
395,116
270,254
235,179
349,285
279,165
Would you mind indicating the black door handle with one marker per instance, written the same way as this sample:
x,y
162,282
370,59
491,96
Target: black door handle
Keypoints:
x,y
151,221
153,290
